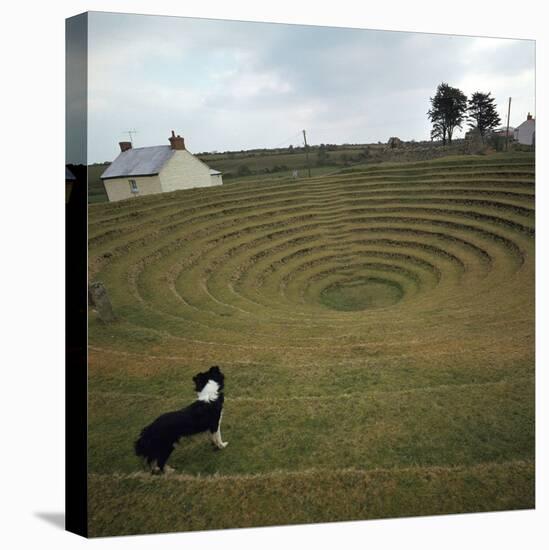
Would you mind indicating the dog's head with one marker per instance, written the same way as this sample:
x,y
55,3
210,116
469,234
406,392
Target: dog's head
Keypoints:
x,y
201,379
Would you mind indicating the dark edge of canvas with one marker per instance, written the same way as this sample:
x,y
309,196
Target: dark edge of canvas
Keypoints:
x,y
76,218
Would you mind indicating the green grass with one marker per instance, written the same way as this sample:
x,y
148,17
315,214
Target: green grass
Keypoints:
x,y
261,161
96,189
360,294
344,159
180,503
376,329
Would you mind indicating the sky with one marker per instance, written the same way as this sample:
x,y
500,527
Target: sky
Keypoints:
x,y
226,85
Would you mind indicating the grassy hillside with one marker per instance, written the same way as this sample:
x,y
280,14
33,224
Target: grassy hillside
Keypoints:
x,y
376,329
259,164
96,189
254,165
274,161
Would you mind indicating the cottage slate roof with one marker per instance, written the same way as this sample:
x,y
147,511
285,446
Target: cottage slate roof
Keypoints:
x,y
141,161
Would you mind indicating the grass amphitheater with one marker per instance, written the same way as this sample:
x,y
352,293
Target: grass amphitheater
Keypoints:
x,y
376,329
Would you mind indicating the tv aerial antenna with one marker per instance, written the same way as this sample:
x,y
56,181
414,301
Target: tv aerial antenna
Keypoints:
x,y
130,133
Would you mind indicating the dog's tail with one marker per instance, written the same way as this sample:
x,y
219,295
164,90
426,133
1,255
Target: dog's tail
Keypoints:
x,y
142,446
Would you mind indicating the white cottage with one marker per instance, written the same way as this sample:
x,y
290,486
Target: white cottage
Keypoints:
x,y
526,132
158,169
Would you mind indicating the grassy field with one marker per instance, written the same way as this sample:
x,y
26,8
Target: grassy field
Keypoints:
x,y
376,329
96,189
271,164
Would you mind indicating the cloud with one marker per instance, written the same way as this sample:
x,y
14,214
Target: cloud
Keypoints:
x,y
233,85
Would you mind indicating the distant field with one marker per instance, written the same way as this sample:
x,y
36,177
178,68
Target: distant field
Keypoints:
x,y
96,189
262,161
260,164
376,328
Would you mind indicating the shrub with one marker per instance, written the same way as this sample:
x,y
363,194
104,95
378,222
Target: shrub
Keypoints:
x,y
243,170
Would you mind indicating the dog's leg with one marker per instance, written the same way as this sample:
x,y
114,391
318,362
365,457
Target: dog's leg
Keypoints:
x,y
216,436
163,458
219,443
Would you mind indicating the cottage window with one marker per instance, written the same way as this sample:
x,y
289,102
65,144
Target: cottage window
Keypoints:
x,y
133,186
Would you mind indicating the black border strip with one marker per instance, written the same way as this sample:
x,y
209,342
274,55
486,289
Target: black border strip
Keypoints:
x,y
76,256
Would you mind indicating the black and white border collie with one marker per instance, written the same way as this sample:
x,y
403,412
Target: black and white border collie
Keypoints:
x,y
157,440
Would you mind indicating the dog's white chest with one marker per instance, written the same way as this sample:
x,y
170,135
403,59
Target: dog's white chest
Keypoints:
x,y
209,392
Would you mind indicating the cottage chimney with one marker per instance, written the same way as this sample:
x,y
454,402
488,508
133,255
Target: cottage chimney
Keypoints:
x,y
529,117
177,143
125,145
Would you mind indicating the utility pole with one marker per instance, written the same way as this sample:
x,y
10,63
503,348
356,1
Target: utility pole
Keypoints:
x,y
307,152
507,132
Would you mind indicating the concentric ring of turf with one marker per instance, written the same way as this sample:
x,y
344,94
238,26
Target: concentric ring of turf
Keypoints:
x,y
361,293
397,300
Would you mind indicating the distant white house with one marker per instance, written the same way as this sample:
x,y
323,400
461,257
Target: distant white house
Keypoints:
x,y
158,169
525,133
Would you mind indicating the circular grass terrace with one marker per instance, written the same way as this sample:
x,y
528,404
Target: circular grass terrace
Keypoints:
x,y
361,293
379,322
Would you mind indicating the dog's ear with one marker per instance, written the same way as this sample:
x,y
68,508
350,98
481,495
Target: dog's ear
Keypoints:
x,y
214,370
200,380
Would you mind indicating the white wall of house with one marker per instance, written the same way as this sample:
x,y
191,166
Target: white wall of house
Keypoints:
x,y
216,179
525,132
184,171
120,188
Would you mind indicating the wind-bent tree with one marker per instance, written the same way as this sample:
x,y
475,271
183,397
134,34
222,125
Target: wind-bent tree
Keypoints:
x,y
447,112
438,131
482,113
